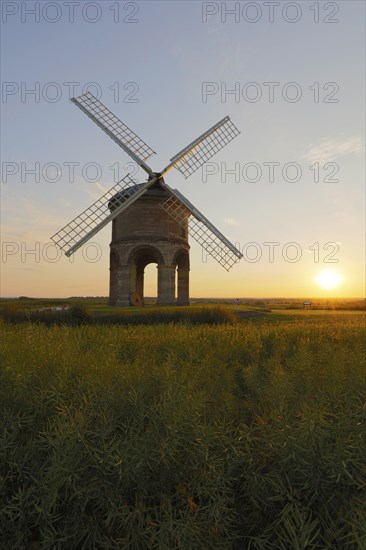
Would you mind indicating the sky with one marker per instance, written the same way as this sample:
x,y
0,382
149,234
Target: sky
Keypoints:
x,y
289,74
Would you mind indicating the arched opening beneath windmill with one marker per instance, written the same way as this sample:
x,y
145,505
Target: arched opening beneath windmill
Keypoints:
x,y
150,283
182,278
144,275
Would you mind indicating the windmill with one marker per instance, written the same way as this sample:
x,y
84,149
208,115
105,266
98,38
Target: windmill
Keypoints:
x,y
150,220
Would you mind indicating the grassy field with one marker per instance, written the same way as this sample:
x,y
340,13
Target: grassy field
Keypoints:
x,y
219,430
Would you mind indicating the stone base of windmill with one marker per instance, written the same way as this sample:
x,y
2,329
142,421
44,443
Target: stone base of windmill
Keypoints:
x,y
127,277
127,280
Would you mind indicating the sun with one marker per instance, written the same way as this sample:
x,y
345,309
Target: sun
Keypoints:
x,y
329,278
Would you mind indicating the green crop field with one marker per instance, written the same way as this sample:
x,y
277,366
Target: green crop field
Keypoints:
x,y
212,429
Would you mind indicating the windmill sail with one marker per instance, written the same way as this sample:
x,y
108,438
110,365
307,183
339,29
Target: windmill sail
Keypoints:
x,y
93,219
192,157
130,142
202,230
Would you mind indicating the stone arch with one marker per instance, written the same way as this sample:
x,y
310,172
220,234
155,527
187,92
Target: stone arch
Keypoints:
x,y
139,258
141,251
181,262
181,258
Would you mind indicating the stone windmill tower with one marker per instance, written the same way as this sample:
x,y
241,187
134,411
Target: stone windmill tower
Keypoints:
x,y
143,234
150,221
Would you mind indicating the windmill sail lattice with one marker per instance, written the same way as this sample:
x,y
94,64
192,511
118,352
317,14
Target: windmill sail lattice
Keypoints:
x,y
73,235
192,157
201,229
130,142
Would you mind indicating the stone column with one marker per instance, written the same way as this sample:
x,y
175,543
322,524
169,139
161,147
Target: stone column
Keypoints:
x,y
113,277
166,285
124,290
183,286
113,285
140,283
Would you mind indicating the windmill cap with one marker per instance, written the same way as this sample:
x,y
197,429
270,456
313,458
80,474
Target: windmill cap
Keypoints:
x,y
126,193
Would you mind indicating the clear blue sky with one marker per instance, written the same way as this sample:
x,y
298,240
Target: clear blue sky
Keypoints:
x,y
169,53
